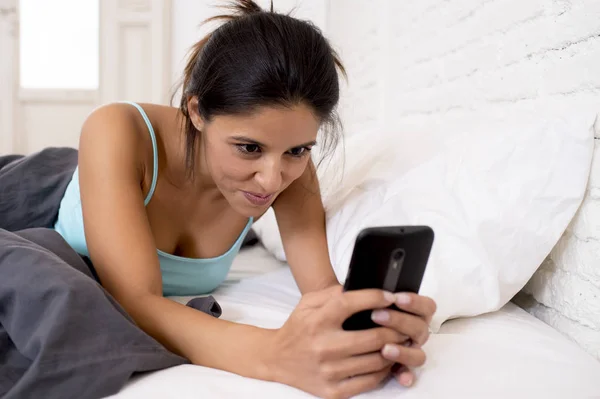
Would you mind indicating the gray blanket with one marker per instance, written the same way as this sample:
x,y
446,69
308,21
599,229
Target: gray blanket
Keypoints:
x,y
62,335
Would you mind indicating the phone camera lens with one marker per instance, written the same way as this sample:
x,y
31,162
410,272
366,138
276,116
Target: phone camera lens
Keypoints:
x,y
398,255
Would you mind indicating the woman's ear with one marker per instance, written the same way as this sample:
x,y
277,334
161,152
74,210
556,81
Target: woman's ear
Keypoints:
x,y
192,106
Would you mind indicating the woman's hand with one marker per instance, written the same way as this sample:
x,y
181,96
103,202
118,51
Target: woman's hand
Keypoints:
x,y
312,352
414,325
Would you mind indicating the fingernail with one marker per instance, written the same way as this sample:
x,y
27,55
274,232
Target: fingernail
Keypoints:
x,y
407,380
390,351
402,299
380,316
389,296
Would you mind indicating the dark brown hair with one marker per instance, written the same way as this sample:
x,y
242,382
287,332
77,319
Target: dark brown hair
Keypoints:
x,y
261,58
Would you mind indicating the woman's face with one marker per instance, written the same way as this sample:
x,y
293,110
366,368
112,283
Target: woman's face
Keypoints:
x,y
253,158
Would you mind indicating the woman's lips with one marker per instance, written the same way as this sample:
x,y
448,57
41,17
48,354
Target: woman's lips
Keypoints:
x,y
257,199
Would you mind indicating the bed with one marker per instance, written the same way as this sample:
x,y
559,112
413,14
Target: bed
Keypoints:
x,y
507,353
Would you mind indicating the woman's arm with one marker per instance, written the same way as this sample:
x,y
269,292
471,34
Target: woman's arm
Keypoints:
x,y
124,254
301,221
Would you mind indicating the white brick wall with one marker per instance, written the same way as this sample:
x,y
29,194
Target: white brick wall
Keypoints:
x,y
443,66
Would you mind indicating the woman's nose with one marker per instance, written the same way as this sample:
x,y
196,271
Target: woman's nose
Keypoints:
x,y
269,177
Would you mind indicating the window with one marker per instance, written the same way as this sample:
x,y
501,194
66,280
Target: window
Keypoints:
x,y
59,44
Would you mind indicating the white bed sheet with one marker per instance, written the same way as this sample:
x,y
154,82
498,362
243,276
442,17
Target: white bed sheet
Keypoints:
x,y
506,354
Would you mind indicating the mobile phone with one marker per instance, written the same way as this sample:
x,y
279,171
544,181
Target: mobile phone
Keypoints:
x,y
392,258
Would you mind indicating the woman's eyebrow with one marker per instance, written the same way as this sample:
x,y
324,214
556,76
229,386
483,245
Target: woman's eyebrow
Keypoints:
x,y
248,140
309,144
252,141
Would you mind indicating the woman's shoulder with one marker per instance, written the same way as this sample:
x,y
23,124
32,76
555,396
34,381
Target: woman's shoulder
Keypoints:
x,y
126,125
128,116
112,119
127,134
115,130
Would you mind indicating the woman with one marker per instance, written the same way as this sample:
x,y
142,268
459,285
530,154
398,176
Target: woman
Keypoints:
x,y
167,195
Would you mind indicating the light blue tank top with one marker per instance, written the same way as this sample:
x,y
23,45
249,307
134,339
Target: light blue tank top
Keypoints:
x,y
180,276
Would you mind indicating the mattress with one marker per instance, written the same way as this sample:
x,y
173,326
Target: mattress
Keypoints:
x,y
507,354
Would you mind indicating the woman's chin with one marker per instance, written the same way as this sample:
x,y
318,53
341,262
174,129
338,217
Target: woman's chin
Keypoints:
x,y
247,209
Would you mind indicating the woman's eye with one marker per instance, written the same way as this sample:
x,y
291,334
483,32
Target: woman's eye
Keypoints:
x,y
299,151
248,148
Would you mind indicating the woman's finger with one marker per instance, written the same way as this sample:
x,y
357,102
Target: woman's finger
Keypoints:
x,y
419,305
343,344
406,355
354,343
404,376
355,366
407,324
344,304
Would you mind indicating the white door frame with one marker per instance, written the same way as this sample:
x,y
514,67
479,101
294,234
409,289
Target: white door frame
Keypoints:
x,y
9,76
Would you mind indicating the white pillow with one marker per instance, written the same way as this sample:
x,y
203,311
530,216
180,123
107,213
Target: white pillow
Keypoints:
x,y
498,203
350,169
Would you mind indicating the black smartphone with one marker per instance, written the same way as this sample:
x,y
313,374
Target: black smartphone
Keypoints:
x,y
392,258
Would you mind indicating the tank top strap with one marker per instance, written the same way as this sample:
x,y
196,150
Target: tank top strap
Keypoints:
x,y
154,150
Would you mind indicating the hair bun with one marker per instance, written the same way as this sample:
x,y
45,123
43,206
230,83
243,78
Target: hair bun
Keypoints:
x,y
240,8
